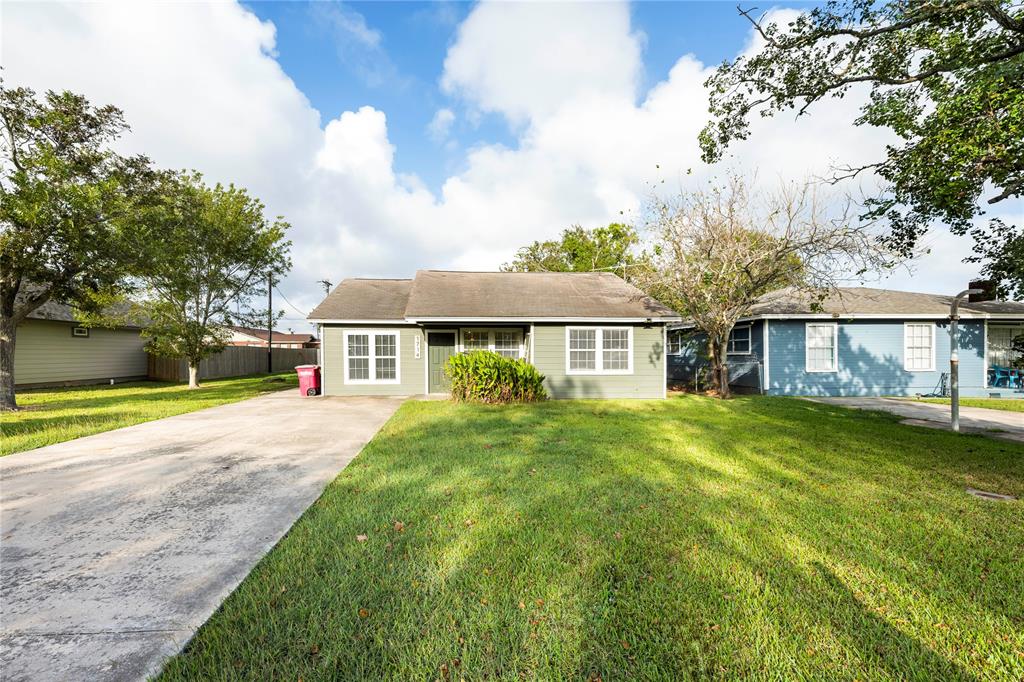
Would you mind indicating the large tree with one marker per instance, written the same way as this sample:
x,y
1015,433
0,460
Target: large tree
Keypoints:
x,y
947,76
611,249
68,209
716,250
219,250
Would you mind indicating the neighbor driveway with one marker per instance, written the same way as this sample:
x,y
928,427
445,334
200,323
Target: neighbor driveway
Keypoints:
x,y
998,423
114,548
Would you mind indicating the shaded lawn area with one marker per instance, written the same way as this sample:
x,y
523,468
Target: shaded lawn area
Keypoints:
x,y
770,538
1007,404
55,415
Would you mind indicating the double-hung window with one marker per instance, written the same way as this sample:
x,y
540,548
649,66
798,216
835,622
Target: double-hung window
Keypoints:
x,y
739,341
506,342
821,346
599,350
371,357
919,347
675,342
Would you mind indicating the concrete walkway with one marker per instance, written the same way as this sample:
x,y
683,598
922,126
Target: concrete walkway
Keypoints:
x,y
115,548
997,423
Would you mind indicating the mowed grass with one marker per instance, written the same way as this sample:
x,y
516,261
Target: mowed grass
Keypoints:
x,y
1007,404
55,415
689,538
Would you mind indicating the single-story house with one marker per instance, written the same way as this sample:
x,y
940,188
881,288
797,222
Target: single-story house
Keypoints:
x,y
53,349
252,336
591,334
862,342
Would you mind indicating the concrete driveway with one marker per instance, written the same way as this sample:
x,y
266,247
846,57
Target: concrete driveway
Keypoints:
x,y
115,548
997,423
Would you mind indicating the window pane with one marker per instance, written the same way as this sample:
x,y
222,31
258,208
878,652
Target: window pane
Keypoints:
x,y
507,344
359,345
820,347
474,340
385,368
918,348
615,339
359,368
739,340
582,359
582,339
675,345
385,345
616,359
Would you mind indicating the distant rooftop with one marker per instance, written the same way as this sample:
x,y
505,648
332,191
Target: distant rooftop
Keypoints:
x,y
867,301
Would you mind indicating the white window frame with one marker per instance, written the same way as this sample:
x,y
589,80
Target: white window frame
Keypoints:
x,y
490,338
835,347
372,341
750,340
599,352
906,338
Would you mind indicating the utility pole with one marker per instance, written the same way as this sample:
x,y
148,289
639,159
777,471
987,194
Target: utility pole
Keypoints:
x,y
954,358
270,322
326,284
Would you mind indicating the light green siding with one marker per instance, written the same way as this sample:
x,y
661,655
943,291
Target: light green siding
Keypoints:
x,y
46,353
646,381
410,371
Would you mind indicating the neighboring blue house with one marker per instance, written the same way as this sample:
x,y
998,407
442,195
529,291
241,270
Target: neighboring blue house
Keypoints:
x,y
862,342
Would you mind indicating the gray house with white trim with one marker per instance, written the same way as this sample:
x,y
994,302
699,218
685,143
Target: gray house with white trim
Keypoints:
x,y
592,335
862,342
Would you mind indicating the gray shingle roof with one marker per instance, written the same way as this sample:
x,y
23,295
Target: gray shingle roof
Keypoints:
x,y
437,294
365,299
61,312
867,301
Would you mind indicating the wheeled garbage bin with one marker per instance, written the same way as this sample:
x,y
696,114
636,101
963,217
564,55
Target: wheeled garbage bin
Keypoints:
x,y
309,379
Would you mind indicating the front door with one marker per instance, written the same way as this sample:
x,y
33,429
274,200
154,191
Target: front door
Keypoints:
x,y
440,347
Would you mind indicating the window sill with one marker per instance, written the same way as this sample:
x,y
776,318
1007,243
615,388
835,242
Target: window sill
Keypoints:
x,y
595,373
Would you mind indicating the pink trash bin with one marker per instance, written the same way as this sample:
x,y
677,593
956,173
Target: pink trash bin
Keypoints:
x,y
309,379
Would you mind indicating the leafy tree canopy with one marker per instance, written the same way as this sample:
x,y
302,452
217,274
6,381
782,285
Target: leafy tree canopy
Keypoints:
x,y
68,209
947,76
218,251
611,249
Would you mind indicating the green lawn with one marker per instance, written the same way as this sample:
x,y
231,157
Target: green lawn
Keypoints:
x,y
1008,404
54,415
769,538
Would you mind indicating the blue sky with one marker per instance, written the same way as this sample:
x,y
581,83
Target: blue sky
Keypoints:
x,y
398,136
324,48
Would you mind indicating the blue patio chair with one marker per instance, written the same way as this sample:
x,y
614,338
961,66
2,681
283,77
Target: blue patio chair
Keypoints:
x,y
999,377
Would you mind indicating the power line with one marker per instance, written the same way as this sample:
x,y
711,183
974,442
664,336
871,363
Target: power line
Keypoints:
x,y
289,302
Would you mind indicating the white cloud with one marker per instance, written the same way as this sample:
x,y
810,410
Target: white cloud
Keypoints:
x,y
201,88
441,125
525,60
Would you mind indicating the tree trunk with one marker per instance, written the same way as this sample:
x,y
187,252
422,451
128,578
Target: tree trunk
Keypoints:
x,y
723,369
8,331
193,375
719,368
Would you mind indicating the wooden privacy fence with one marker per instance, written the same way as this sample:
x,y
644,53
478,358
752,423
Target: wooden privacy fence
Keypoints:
x,y
234,361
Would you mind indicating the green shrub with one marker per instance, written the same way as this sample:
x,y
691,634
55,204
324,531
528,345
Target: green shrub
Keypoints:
x,y
485,377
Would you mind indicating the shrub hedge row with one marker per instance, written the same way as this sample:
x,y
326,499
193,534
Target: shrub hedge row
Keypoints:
x,y
486,377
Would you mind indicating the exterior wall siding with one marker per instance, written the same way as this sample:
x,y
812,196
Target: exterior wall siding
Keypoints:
x,y
646,381
411,373
46,353
870,360
745,370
